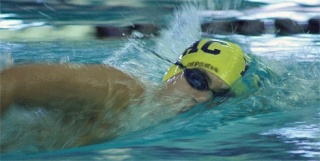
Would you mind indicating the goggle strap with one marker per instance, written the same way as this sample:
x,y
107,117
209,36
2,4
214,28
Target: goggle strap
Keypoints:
x,y
179,64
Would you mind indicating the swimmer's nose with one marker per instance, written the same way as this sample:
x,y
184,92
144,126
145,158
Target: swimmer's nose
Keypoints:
x,y
195,100
202,98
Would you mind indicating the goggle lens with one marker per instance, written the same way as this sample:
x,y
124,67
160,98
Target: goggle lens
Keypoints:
x,y
196,79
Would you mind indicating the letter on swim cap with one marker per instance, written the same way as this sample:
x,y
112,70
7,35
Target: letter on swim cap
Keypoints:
x,y
226,60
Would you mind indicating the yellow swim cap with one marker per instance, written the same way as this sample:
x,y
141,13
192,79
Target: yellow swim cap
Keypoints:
x,y
224,59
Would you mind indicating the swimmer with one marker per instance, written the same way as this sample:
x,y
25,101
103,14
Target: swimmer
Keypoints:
x,y
205,70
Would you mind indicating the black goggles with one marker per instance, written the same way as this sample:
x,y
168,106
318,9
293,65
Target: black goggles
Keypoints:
x,y
198,80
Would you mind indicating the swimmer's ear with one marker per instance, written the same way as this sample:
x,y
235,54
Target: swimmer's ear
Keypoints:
x,y
248,82
239,88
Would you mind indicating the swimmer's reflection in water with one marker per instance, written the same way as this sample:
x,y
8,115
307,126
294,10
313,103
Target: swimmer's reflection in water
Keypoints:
x,y
102,93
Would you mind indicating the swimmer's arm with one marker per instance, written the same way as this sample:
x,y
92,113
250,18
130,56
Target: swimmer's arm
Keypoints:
x,y
61,85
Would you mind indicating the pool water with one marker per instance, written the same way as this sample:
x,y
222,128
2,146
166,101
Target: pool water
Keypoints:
x,y
278,121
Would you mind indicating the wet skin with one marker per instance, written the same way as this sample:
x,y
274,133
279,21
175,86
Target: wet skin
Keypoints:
x,y
92,90
179,83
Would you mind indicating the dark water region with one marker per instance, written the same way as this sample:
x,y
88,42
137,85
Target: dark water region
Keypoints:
x,y
82,10
61,12
105,19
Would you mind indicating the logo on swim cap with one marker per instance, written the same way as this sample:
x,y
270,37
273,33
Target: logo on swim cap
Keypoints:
x,y
222,58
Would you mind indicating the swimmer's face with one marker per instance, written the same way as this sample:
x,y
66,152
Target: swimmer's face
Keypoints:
x,y
179,83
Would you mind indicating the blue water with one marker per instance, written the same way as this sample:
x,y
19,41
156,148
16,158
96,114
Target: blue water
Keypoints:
x,y
278,121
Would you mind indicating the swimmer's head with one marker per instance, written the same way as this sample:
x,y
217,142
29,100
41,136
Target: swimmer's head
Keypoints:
x,y
224,59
